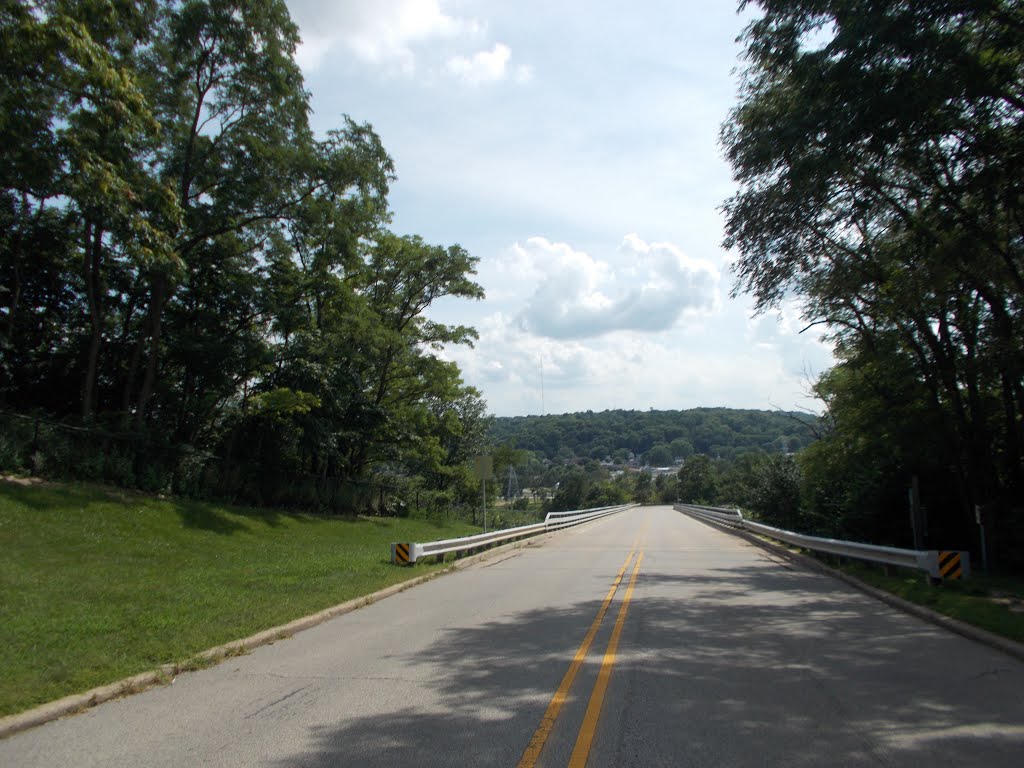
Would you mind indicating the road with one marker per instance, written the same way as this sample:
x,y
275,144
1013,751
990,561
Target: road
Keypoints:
x,y
704,650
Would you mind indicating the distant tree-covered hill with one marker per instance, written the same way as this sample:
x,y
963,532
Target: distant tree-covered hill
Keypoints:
x,y
658,437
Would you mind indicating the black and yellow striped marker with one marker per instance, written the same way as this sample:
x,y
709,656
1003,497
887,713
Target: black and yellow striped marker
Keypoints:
x,y
400,553
950,566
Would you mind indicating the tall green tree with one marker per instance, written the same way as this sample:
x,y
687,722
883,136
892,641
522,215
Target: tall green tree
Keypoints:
x,y
571,492
80,131
398,364
697,483
775,492
239,153
177,249
643,487
660,455
878,150
878,432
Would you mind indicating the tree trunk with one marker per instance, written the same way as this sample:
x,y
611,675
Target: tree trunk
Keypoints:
x,y
1013,459
158,295
129,382
15,284
91,258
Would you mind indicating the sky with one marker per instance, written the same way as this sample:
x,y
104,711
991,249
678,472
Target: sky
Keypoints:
x,y
572,147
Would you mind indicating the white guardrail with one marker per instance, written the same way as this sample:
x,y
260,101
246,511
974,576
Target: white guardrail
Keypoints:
x,y
402,552
936,564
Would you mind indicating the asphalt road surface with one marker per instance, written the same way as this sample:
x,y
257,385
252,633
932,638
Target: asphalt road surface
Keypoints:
x,y
643,639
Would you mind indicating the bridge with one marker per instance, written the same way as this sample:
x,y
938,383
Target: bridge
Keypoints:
x,y
643,638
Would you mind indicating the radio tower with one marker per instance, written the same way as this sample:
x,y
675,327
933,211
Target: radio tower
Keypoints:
x,y
512,487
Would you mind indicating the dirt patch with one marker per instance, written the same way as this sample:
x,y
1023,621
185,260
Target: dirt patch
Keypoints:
x,y
22,480
1010,602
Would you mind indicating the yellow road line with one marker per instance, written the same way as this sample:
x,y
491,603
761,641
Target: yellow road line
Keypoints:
x,y
547,722
581,751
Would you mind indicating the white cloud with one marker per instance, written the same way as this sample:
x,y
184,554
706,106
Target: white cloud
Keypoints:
x,y
487,67
381,32
647,288
617,133
563,331
534,373
523,74
522,373
800,349
482,67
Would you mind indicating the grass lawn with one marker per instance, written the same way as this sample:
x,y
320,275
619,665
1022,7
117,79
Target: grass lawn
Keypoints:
x,y
97,584
990,602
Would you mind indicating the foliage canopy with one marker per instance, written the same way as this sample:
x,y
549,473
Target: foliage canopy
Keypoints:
x,y
183,261
879,151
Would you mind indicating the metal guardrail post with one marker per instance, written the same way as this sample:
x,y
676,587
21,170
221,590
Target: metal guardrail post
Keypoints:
x,y
928,561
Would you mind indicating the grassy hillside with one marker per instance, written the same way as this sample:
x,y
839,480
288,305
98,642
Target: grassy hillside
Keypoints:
x,y
97,584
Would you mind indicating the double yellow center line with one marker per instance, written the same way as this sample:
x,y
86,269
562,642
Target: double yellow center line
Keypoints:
x,y
589,727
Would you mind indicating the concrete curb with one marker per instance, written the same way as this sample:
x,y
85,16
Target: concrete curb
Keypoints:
x,y
983,636
165,674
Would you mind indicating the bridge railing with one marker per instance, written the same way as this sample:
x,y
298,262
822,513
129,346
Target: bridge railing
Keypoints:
x,y
402,552
923,560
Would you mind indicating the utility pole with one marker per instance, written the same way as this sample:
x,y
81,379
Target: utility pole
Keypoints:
x,y
512,484
542,385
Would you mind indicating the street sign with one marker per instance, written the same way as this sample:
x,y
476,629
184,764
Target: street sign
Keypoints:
x,y
483,467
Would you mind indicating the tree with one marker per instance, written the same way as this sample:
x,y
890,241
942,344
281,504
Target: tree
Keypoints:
x,y
775,492
878,150
238,151
571,491
643,488
620,433
80,132
733,482
681,448
697,481
667,488
395,356
878,432
659,456
606,493
182,258
351,333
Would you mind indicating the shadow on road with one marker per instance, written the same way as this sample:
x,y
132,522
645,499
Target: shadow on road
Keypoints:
x,y
753,666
